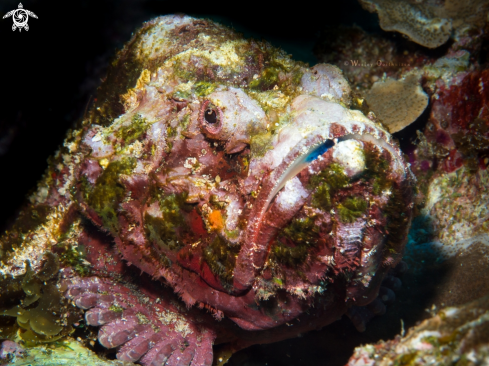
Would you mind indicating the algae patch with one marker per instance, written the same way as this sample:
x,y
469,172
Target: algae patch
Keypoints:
x,y
108,192
134,130
351,209
329,180
221,258
303,233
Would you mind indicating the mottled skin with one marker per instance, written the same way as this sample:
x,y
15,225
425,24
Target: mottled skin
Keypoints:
x,y
236,176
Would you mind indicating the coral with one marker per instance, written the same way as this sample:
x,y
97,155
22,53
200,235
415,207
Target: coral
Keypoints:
x,y
415,21
455,335
428,22
457,132
229,173
460,126
397,103
457,204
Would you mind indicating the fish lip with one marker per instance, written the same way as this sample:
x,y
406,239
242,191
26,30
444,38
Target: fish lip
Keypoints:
x,y
253,253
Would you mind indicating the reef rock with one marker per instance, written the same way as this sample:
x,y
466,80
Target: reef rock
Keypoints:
x,y
455,335
427,22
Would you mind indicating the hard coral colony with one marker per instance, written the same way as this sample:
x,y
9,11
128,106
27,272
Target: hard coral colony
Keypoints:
x,y
226,170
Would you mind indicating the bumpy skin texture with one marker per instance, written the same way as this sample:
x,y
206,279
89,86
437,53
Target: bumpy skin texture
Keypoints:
x,y
236,176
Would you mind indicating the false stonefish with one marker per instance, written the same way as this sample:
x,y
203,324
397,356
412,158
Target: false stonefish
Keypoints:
x,y
231,174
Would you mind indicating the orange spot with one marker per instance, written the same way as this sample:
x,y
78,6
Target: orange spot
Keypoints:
x,y
215,220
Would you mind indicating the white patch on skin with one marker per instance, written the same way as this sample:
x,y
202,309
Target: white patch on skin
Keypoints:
x,y
100,149
450,312
157,39
417,342
40,196
223,56
233,210
349,154
135,149
154,210
193,164
292,193
97,137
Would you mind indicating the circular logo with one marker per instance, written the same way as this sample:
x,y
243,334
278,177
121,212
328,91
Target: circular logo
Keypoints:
x,y
20,17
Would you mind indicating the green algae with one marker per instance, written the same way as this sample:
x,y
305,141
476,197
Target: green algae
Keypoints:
x,y
326,183
170,206
279,72
221,258
116,308
304,234
163,230
351,209
232,234
260,143
160,231
204,88
302,231
134,130
297,76
184,122
181,95
407,359
108,192
268,79
376,171
171,132
74,257
290,256
186,70
278,281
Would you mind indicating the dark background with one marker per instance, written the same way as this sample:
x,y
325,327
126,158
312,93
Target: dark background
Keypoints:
x,y
50,73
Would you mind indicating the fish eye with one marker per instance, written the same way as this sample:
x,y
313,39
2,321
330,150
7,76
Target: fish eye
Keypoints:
x,y
210,116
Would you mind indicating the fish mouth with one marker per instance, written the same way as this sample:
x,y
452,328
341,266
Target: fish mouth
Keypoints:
x,y
318,149
317,144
